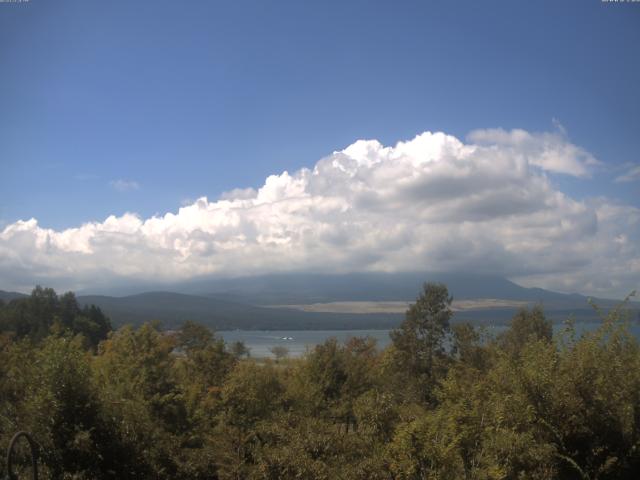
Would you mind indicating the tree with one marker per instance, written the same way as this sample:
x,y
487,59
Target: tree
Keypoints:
x,y
468,347
206,361
251,394
95,324
44,312
279,352
526,326
239,349
418,344
136,375
319,382
57,402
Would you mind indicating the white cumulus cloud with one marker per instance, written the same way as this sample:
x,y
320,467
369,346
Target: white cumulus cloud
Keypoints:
x,y
433,203
549,151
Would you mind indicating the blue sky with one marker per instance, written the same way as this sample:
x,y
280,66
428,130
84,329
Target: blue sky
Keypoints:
x,y
144,106
198,98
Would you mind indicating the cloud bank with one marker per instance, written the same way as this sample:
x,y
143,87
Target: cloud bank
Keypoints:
x,y
434,203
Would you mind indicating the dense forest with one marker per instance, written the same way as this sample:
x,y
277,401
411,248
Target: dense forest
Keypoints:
x,y
443,401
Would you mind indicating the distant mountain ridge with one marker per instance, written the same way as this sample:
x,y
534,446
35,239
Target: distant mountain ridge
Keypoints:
x,y
241,303
8,296
278,289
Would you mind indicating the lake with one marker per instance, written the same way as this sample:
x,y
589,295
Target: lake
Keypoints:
x,y
298,341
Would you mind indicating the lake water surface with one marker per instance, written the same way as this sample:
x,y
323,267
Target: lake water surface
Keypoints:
x,y
298,341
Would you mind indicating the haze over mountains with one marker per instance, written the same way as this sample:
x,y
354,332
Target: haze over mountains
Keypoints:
x,y
316,301
318,288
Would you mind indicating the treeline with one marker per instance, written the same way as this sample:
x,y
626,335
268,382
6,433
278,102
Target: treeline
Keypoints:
x,y
441,402
44,312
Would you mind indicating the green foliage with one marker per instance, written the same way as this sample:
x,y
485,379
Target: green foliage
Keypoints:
x,y
526,326
44,312
468,346
239,350
418,353
251,393
135,373
206,361
52,395
439,403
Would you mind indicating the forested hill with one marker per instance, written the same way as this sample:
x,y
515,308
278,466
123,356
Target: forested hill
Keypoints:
x,y
173,309
8,296
241,303
237,302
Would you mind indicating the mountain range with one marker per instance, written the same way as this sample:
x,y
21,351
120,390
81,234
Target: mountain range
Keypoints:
x,y
281,301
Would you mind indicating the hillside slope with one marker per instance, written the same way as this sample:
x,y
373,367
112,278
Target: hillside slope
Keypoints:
x,y
172,309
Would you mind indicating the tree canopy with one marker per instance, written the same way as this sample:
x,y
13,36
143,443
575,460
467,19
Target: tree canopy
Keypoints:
x,y
444,401
44,312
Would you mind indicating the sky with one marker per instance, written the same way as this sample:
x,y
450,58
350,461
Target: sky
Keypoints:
x,y
167,140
